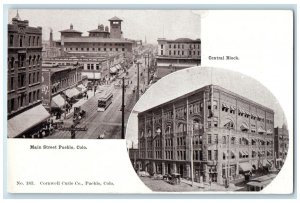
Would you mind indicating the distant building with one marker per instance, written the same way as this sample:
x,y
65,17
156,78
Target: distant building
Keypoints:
x,y
281,144
95,67
50,50
102,53
229,136
24,73
177,54
100,41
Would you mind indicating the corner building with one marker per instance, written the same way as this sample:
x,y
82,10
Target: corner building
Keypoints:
x,y
24,70
229,138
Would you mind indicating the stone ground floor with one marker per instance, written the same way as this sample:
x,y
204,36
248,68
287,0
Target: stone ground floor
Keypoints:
x,y
210,171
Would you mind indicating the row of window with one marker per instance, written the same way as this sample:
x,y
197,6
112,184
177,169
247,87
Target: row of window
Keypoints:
x,y
32,60
93,66
94,49
63,83
212,155
158,155
175,46
22,100
181,155
32,41
181,53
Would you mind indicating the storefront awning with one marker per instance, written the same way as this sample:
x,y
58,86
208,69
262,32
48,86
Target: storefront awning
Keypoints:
x,y
269,132
92,75
26,120
261,130
246,166
82,88
58,101
244,126
73,92
113,69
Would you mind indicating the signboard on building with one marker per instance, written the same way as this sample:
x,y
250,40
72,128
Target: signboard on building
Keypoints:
x,y
46,89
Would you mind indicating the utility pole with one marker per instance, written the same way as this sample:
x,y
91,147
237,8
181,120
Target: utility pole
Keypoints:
x,y
192,153
123,108
148,70
138,81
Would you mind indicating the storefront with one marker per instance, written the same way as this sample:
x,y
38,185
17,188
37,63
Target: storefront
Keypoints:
x,y
27,123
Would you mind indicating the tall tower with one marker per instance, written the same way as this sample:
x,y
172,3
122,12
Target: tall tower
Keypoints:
x,y
115,27
51,38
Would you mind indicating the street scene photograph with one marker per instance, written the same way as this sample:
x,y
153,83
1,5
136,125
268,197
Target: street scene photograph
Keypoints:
x,y
77,74
216,130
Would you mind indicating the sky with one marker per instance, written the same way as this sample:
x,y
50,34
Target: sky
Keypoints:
x,y
137,24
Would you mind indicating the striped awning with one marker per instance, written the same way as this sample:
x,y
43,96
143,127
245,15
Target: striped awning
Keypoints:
x,y
244,126
261,130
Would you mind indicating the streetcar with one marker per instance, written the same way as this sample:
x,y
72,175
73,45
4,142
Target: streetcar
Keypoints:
x,y
104,101
259,183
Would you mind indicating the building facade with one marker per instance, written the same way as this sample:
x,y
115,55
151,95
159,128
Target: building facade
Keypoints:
x,y
94,67
101,40
59,79
24,109
24,66
225,134
281,144
173,55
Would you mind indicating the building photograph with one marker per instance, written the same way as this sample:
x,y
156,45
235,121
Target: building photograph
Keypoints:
x,y
207,132
80,75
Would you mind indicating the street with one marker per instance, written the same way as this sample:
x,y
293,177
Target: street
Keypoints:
x,y
109,121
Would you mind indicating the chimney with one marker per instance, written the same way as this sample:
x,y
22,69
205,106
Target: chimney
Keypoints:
x,y
71,27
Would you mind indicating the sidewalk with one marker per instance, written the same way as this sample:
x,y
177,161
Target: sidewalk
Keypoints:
x,y
77,104
213,187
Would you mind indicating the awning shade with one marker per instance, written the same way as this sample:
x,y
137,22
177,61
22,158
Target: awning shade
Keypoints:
x,y
246,166
58,101
113,69
82,88
92,75
261,130
244,126
26,120
72,92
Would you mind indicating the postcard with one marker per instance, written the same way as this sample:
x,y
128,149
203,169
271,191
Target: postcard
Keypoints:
x,y
149,101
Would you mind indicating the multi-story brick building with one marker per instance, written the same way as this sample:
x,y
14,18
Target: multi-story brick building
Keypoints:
x,y
59,79
228,135
281,144
177,54
24,74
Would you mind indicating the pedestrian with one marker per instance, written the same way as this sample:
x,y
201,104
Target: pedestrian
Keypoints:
x,y
87,96
209,181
